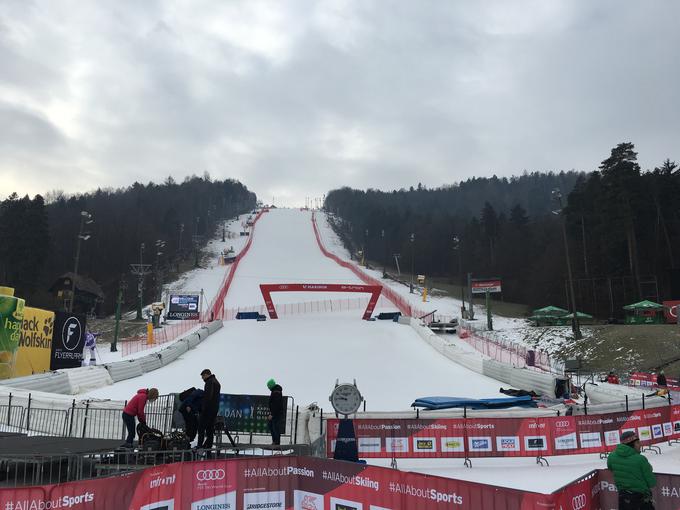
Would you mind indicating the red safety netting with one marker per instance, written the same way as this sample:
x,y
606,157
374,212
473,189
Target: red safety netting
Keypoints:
x,y
164,335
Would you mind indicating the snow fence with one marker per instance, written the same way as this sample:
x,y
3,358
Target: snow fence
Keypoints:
x,y
521,378
78,380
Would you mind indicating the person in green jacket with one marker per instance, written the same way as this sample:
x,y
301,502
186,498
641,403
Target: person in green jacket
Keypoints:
x,y
632,474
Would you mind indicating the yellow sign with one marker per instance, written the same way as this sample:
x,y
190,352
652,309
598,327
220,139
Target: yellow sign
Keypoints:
x,y
35,344
6,291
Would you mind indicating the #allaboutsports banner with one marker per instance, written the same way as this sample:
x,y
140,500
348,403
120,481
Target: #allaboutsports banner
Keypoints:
x,y
507,437
306,483
68,340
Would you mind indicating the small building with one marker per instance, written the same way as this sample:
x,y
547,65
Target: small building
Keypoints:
x,y
89,295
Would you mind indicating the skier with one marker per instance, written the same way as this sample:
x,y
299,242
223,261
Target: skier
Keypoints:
x,y
612,378
135,408
632,474
276,410
91,344
209,410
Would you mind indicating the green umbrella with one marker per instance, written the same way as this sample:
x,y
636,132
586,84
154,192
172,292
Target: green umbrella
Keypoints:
x,y
644,305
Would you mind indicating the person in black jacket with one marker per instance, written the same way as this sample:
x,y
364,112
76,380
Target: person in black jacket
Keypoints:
x,y
209,409
276,410
661,379
190,408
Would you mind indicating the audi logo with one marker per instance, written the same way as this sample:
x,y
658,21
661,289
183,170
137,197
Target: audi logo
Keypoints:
x,y
561,424
210,474
579,502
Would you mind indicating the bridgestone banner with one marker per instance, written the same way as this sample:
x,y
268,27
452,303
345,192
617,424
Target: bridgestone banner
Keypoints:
x,y
68,340
507,437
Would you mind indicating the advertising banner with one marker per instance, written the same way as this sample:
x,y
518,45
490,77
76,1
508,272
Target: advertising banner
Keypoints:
x,y
35,344
184,306
507,437
307,483
248,413
670,311
68,340
11,318
482,286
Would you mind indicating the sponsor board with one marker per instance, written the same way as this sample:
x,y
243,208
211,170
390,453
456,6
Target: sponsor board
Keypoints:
x,y
579,502
345,504
184,306
566,442
676,427
611,437
273,500
168,504
68,340
657,431
480,444
532,443
507,443
396,444
424,444
590,440
369,444
226,501
667,429
303,500
453,444
644,433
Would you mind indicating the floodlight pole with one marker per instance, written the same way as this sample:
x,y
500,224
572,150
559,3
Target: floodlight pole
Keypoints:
x,y
575,327
84,216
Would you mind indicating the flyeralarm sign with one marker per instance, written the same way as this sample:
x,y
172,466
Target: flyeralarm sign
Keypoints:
x,y
483,286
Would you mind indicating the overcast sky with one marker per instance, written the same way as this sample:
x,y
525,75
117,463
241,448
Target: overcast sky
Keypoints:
x,y
295,98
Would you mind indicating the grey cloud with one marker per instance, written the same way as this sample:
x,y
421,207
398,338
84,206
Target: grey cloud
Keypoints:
x,y
317,95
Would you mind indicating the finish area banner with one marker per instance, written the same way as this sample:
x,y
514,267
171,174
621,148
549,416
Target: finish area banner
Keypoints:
x,y
507,437
280,483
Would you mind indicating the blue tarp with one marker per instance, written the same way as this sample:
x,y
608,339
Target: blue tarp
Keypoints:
x,y
250,315
434,403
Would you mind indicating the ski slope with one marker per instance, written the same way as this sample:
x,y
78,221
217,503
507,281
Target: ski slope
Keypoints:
x,y
307,353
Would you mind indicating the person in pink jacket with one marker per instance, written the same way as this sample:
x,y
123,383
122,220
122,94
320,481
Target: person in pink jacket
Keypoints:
x,y
135,409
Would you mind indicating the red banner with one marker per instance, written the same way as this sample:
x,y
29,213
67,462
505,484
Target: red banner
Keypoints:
x,y
306,483
670,311
267,289
507,437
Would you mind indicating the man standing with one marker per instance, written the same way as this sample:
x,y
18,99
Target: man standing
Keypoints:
x,y
632,474
276,410
209,409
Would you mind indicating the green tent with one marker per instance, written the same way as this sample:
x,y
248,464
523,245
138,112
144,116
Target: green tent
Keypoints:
x,y
644,312
644,305
552,311
580,315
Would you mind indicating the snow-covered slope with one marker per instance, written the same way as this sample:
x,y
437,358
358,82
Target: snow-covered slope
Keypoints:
x,y
307,353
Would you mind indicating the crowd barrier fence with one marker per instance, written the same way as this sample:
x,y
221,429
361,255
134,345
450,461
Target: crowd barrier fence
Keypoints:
x,y
508,437
307,482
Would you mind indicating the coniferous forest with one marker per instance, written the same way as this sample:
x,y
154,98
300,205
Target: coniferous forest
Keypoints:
x,y
622,226
39,235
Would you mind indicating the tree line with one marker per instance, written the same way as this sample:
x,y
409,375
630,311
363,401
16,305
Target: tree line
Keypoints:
x,y
40,234
622,226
